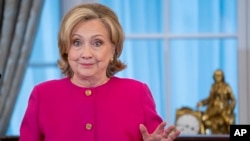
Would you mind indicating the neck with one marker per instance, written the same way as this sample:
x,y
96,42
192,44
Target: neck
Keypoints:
x,y
89,81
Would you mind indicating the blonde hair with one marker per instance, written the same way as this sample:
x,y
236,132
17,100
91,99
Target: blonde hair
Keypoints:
x,y
85,12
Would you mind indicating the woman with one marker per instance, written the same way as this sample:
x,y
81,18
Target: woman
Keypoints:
x,y
90,103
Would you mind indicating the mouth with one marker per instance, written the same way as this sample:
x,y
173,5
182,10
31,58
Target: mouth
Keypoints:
x,y
86,64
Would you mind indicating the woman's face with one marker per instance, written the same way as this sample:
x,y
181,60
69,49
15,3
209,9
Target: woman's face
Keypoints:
x,y
91,50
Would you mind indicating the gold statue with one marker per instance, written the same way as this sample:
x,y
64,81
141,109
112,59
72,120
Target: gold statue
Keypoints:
x,y
219,113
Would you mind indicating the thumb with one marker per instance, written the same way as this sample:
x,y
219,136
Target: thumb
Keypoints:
x,y
144,131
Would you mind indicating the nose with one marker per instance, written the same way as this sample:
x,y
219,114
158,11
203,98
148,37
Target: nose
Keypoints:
x,y
86,52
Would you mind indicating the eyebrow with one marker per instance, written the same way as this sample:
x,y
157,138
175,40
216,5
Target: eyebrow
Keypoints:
x,y
76,35
97,35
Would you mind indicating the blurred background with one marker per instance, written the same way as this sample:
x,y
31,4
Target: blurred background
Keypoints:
x,y
172,45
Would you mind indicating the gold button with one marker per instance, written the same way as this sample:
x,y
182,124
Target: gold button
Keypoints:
x,y
88,92
88,126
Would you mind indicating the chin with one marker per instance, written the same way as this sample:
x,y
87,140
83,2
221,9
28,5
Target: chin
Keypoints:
x,y
86,75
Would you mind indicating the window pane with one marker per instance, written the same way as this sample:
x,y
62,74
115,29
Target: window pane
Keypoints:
x,y
207,16
138,16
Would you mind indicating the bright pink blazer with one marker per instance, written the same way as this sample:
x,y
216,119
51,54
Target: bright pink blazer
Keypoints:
x,y
60,111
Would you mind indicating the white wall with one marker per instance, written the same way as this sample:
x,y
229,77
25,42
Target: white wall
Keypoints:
x,y
244,61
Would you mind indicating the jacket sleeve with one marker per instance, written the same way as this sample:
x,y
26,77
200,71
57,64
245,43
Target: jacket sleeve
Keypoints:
x,y
29,129
152,118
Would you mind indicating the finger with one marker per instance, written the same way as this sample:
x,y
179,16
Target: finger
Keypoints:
x,y
173,135
160,127
168,130
144,131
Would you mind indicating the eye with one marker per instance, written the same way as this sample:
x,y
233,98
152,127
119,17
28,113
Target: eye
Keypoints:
x,y
97,43
77,43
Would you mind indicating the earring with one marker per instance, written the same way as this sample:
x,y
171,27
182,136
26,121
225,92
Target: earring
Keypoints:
x,y
111,60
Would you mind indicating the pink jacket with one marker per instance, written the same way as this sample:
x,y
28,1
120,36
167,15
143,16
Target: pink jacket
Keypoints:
x,y
60,111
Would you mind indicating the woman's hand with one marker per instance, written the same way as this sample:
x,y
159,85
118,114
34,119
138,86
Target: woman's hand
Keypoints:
x,y
160,133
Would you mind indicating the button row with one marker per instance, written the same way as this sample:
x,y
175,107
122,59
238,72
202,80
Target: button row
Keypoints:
x,y
88,126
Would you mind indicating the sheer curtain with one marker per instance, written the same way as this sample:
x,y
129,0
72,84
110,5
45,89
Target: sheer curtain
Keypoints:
x,y
144,57
172,45
175,46
206,40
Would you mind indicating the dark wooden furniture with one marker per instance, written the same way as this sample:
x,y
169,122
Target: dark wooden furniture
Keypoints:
x,y
203,138
9,138
180,138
